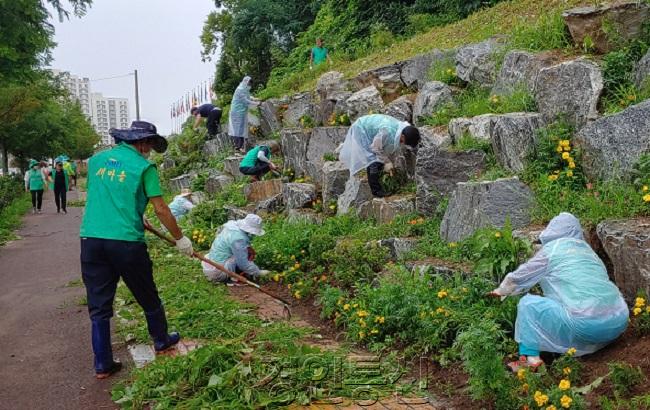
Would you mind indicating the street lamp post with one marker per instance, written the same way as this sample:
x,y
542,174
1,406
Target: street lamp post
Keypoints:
x,y
137,98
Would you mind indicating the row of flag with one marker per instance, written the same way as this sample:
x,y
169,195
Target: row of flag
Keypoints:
x,y
180,109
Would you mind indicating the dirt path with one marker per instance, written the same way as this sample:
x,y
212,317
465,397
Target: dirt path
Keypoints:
x,y
45,352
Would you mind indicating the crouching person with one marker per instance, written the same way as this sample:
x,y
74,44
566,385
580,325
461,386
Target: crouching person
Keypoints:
x,y
581,308
257,161
182,204
231,250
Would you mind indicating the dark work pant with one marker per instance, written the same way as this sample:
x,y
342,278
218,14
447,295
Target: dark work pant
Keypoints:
x,y
238,142
374,174
60,197
213,121
258,170
103,262
37,198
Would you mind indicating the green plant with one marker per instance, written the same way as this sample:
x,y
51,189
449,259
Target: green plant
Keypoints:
x,y
548,32
307,121
354,261
11,216
79,203
329,156
444,70
624,377
381,36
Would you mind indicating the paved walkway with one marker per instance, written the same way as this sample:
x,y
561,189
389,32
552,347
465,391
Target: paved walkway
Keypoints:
x,y
45,353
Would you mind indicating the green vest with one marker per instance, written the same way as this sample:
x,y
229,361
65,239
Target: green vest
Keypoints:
x,y
53,175
36,182
250,159
116,198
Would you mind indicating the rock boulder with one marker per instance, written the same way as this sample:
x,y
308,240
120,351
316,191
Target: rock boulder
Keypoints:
x,y
300,105
182,181
612,145
384,210
513,136
401,108
335,175
642,73
520,70
221,143
415,71
270,122
357,191
570,90
217,182
386,79
433,96
398,247
363,102
475,63
231,165
298,195
323,140
261,190
479,127
475,205
627,244
273,204
294,142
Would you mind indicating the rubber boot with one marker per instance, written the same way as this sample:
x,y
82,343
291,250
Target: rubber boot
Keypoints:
x,y
101,338
157,324
374,171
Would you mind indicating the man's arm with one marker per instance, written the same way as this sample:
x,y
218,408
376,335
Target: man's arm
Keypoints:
x,y
197,120
165,216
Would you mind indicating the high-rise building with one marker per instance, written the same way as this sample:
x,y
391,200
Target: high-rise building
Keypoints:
x,y
78,87
107,113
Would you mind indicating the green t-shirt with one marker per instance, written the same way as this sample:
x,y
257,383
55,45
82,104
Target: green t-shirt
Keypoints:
x,y
120,183
250,159
36,182
319,54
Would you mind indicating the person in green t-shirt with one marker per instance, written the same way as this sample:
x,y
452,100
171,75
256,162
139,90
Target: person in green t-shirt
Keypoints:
x,y
257,161
318,54
35,184
121,181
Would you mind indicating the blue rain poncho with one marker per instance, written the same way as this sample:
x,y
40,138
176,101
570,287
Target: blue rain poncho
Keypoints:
x,y
581,307
230,248
238,117
180,206
371,138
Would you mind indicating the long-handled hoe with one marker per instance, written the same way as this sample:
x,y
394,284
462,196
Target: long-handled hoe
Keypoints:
x,y
233,275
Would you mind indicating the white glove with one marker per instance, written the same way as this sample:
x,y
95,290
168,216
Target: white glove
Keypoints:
x,y
184,245
389,167
264,272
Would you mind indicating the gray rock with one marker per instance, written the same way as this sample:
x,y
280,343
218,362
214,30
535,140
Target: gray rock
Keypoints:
x,y
198,197
475,63
624,19
520,70
415,71
422,268
273,204
475,205
643,71
433,137
330,84
294,142
437,172
513,136
335,175
401,108
433,96
398,247
384,210
324,140
298,195
304,216
221,143
363,102
261,190
168,163
570,90
236,213
300,105
231,165
387,80
357,191
270,120
479,127
627,245
182,182
217,182
612,145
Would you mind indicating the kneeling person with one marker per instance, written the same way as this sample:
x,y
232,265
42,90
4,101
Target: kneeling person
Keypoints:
x,y
257,161
231,249
182,204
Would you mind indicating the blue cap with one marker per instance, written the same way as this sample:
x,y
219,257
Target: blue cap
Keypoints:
x,y
139,130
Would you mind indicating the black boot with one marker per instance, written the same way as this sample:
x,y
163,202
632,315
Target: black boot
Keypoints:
x,y
101,337
374,173
157,324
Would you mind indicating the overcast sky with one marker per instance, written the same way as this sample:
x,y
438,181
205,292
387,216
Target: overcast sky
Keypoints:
x,y
159,38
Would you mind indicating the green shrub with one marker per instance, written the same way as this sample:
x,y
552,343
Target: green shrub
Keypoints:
x,y
549,32
618,76
10,188
624,377
444,70
355,261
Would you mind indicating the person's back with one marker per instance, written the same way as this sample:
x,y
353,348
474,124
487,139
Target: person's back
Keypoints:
x,y
116,199
205,109
221,248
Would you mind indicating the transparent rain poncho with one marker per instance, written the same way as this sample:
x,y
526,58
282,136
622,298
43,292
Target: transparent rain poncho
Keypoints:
x,y
238,117
581,307
357,151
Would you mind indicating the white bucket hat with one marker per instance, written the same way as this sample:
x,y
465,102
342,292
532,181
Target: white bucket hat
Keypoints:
x,y
251,224
185,192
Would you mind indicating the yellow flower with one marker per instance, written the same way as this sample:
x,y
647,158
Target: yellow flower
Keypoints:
x,y
565,143
571,351
452,244
572,164
276,278
196,232
566,370
497,234
521,373
567,148
645,188
552,177
558,149
355,305
566,155
374,331
551,407
332,207
639,302
362,323
566,401
631,97
569,173
646,198
540,398
440,310
362,334
293,257
564,384
296,266
289,286
636,311
346,306
362,313
297,294
379,319
442,294
323,278
525,387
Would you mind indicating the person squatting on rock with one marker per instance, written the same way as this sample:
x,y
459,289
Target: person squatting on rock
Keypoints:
x,y
212,115
121,181
238,117
232,249
59,184
257,161
35,184
370,141
182,204
581,308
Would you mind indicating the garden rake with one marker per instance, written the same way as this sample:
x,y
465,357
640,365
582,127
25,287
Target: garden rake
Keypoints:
x,y
232,275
